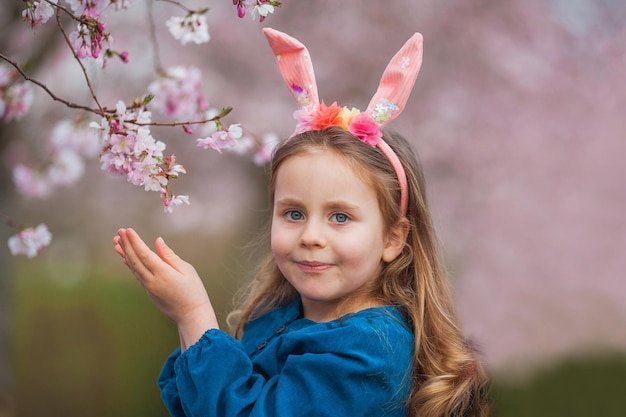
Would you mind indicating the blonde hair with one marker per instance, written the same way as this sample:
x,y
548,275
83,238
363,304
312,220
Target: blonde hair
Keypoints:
x,y
448,379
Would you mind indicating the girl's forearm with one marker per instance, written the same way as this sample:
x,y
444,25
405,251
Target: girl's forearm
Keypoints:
x,y
191,329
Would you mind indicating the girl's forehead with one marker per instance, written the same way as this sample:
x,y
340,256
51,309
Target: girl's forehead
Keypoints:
x,y
321,176
327,158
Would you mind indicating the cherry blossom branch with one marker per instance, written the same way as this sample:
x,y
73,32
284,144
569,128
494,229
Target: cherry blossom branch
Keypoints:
x,y
46,89
216,119
69,44
185,8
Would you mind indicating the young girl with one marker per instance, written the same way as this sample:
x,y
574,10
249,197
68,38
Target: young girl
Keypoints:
x,y
350,313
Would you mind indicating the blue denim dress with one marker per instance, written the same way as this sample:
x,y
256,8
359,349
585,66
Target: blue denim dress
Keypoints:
x,y
285,365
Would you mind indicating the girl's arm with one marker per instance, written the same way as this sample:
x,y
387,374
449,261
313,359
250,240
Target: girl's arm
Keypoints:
x,y
173,284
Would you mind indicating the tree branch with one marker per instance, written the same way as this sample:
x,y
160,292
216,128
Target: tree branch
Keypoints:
x,y
69,44
47,90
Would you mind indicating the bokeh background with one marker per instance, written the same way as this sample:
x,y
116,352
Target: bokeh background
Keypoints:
x,y
517,115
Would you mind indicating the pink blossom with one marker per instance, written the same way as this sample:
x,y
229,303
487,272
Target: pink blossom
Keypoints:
x,y
364,128
90,8
66,169
31,183
15,101
74,136
305,117
264,154
30,241
80,40
39,12
178,93
170,203
222,138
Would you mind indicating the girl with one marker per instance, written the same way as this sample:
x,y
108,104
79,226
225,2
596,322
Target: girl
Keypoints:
x,y
350,313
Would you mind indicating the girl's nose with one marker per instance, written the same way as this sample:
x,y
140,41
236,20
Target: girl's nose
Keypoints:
x,y
312,235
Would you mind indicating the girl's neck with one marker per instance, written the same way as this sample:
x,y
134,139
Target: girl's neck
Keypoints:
x,y
319,311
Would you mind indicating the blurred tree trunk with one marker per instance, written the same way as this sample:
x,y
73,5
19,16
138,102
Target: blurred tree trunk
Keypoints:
x,y
10,26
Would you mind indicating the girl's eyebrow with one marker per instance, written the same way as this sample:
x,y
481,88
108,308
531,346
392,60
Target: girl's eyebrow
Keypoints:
x,y
341,205
330,205
287,201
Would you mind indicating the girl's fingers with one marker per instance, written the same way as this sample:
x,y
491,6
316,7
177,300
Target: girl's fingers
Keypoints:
x,y
142,259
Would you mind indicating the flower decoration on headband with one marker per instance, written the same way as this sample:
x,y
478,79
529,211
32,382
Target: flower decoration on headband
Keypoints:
x,y
321,117
294,64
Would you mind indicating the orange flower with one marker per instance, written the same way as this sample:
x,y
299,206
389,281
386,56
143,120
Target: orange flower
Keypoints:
x,y
327,116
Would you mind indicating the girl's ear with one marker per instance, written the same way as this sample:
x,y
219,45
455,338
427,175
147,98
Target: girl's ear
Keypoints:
x,y
395,239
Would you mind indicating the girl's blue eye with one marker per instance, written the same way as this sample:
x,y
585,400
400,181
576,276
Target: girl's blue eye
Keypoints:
x,y
340,217
294,215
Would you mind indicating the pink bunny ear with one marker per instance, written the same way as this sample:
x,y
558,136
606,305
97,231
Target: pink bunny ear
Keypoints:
x,y
397,82
295,66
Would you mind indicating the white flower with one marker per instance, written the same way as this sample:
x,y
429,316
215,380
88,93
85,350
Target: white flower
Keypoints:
x,y
191,28
30,241
170,204
263,10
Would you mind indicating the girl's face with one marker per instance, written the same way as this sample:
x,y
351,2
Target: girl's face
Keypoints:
x,y
327,234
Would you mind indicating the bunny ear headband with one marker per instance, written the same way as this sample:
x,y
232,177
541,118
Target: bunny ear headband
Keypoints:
x,y
296,68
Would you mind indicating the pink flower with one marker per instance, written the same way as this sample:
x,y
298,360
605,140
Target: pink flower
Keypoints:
x,y
305,117
364,128
39,12
327,116
170,203
16,101
222,138
31,183
30,241
178,93
264,154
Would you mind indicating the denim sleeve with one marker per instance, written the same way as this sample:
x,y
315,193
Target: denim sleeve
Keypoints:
x,y
215,377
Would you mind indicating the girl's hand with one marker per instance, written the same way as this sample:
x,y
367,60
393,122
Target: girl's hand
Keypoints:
x,y
173,284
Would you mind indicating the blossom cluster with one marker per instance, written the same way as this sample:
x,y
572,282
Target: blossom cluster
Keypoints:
x,y
262,8
178,93
122,137
30,241
69,145
15,97
129,149
89,39
192,27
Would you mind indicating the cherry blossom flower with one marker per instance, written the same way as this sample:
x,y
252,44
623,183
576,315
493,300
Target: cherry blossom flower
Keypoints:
x,y
191,28
170,203
15,101
222,138
130,150
30,241
39,12
256,7
66,169
177,93
75,136
31,183
264,154
90,8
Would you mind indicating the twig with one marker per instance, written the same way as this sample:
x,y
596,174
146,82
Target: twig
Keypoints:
x,y
69,44
155,44
47,90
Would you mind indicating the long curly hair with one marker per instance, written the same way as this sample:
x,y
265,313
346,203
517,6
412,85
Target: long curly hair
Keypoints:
x,y
448,378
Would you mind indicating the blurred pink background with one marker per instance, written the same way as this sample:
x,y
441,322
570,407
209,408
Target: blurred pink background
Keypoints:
x,y
517,115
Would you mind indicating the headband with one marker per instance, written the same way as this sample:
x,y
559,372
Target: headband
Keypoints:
x,y
296,68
